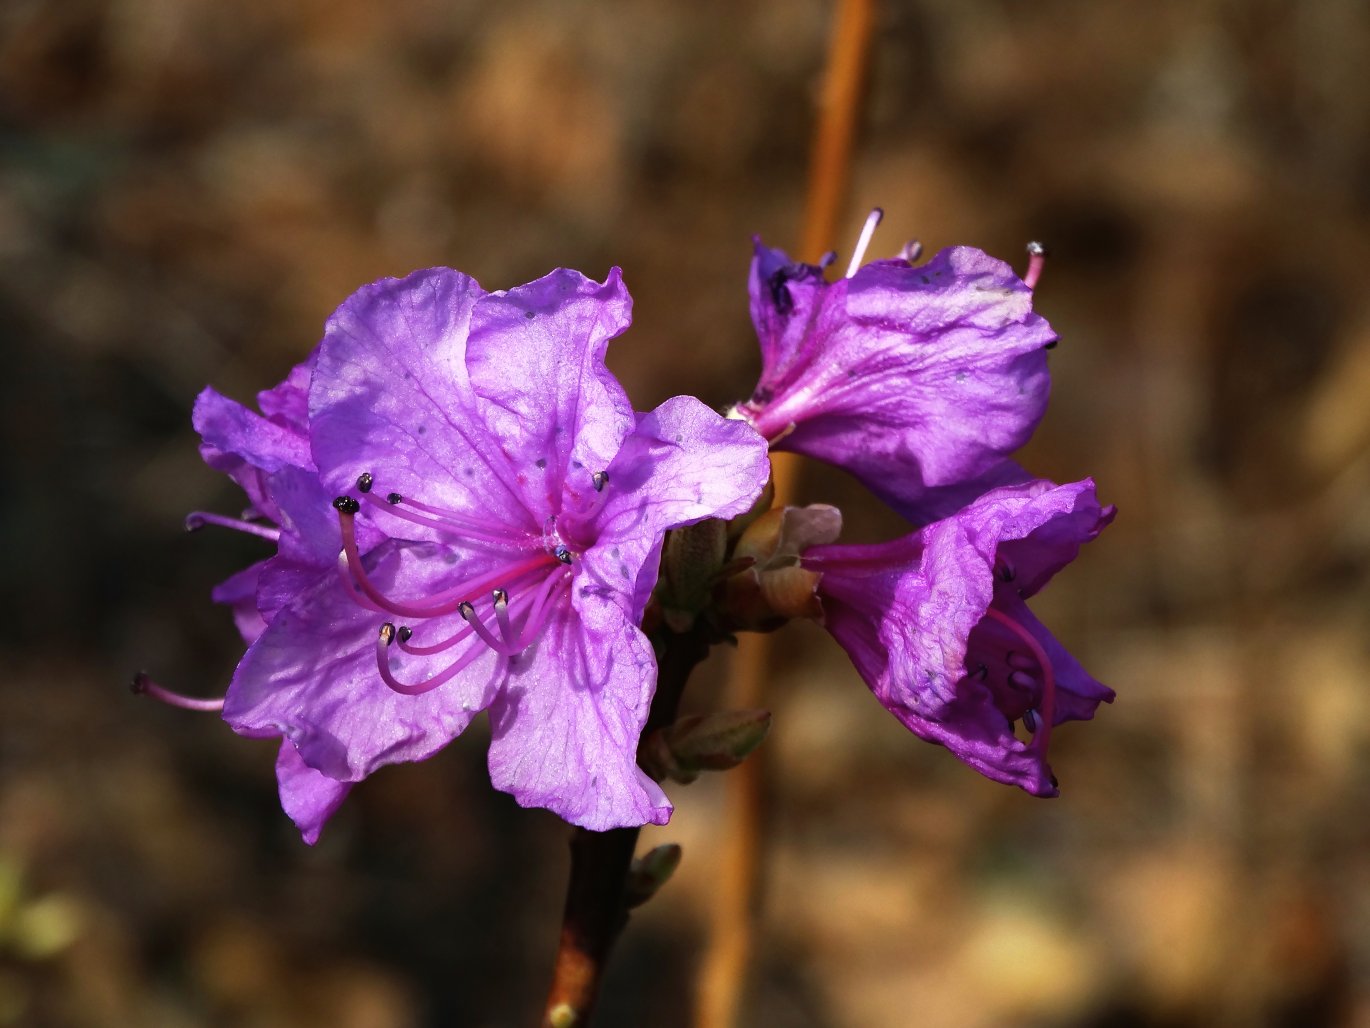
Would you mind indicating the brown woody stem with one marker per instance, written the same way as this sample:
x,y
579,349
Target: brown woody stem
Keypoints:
x,y
595,910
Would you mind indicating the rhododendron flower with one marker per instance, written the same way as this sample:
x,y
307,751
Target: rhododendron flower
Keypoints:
x,y
917,379
494,533
937,626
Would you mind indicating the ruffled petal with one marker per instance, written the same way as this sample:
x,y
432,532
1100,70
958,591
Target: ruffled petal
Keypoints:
x,y
564,731
391,396
312,676
910,378
239,593
536,357
682,464
308,797
909,611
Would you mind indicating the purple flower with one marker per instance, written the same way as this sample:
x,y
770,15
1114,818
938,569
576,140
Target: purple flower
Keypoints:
x,y
500,511
918,380
937,626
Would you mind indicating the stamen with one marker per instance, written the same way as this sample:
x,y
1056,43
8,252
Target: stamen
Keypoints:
x,y
447,601
1020,661
450,523
1048,704
142,685
419,688
867,231
911,251
827,260
562,554
1030,720
1022,680
197,519
500,599
393,498
364,482
1037,259
601,479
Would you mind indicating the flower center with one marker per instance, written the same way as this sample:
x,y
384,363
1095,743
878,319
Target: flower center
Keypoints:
x,y
504,610
1041,691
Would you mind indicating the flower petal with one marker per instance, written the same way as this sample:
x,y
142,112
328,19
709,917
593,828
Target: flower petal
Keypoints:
x,y
312,678
682,464
391,396
565,728
308,797
536,355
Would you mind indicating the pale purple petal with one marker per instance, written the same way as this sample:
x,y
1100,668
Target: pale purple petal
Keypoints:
x,y
312,676
391,396
246,446
565,728
308,797
536,356
239,593
682,464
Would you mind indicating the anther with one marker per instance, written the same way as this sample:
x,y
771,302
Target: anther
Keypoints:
x,y
405,633
1030,720
1020,661
346,505
1022,680
828,260
393,498
601,479
562,554
364,481
981,672
911,251
465,609
1037,258
1004,571
500,598
387,633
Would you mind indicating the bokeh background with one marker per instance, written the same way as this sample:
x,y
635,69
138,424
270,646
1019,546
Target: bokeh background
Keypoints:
x,y
188,188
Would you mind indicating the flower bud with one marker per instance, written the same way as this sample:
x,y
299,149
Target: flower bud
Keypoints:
x,y
776,587
690,561
703,742
649,873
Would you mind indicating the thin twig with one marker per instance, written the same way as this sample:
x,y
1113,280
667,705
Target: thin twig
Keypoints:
x,y
732,917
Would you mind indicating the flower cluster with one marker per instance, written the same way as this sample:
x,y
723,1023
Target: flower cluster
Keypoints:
x,y
920,380
468,515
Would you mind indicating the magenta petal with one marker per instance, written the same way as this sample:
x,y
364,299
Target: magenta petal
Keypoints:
x,y
911,378
565,728
682,464
308,797
536,356
312,676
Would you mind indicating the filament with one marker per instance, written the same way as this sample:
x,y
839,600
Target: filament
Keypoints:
x,y
867,231
142,685
197,519
1048,706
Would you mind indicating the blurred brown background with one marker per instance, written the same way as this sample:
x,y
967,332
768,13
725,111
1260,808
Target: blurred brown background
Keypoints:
x,y
187,189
